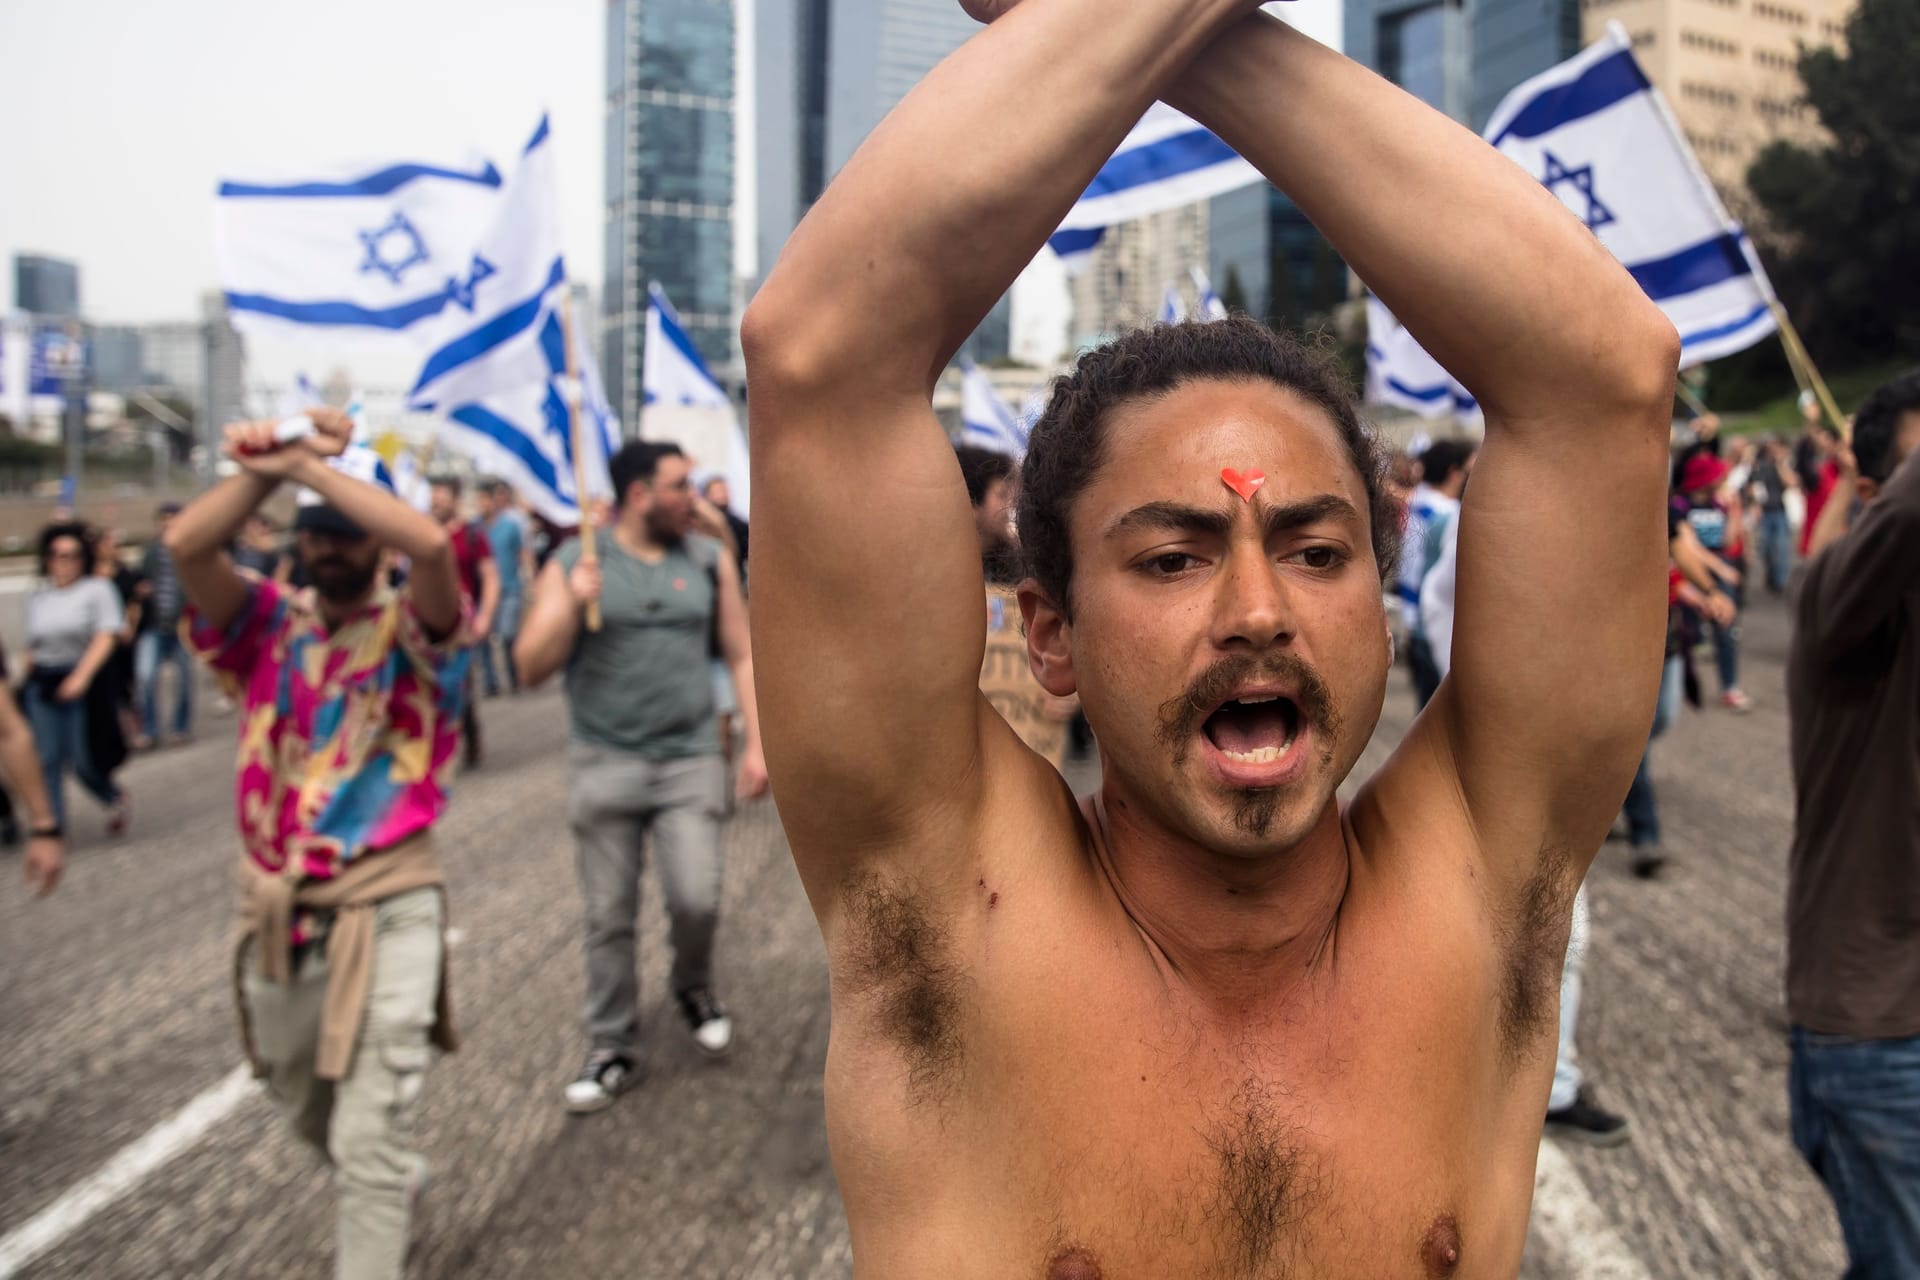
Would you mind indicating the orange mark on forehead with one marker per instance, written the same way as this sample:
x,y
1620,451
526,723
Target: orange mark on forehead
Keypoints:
x,y
1245,483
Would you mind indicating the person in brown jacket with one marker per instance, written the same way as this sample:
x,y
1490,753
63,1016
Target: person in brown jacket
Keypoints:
x,y
1853,887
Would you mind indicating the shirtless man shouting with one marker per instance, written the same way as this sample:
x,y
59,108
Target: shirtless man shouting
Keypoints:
x,y
1210,1024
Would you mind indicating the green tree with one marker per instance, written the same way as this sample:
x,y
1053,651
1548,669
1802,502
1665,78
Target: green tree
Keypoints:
x,y
1233,293
1842,233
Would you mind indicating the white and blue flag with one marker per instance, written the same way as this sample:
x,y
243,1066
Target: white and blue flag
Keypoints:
x,y
370,250
985,419
1211,308
1596,133
1168,160
1173,308
524,434
673,373
490,341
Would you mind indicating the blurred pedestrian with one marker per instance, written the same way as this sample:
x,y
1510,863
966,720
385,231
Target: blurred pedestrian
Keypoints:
x,y
513,562
642,756
258,550
73,623
1006,677
160,645
1715,517
350,698
46,853
1435,501
1772,480
479,579
118,677
1853,882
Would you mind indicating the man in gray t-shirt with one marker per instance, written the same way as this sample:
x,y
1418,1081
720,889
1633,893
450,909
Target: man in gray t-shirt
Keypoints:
x,y
644,754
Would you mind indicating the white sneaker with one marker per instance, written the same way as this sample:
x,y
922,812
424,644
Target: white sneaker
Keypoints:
x,y
604,1077
712,1028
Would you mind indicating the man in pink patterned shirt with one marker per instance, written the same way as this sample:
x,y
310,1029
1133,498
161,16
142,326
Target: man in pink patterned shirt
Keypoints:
x,y
349,700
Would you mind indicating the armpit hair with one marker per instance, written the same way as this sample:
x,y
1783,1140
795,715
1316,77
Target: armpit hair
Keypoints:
x,y
898,961
1537,929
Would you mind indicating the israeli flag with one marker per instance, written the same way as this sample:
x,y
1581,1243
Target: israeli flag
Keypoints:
x,y
524,434
1211,308
1597,134
1173,308
1168,160
674,374
673,371
985,419
490,341
370,250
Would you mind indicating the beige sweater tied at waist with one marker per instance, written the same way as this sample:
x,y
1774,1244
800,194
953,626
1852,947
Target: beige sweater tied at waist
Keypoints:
x,y
267,904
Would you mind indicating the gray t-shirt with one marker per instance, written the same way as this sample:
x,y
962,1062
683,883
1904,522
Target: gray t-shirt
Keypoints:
x,y
641,682
62,621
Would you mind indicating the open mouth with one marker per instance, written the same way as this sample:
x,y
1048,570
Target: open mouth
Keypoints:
x,y
1255,728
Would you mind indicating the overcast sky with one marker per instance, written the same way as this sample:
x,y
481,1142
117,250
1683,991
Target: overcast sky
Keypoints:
x,y
121,115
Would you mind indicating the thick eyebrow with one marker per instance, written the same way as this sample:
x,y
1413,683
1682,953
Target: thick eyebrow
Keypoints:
x,y
1178,517
1293,515
1172,517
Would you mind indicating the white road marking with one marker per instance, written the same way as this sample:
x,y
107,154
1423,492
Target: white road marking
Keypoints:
x,y
124,1172
1584,1243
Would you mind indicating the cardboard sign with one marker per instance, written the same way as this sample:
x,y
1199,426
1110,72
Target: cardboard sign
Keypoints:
x,y
1008,683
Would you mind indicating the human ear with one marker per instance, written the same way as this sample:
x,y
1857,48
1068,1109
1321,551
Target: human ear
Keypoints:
x,y
1049,640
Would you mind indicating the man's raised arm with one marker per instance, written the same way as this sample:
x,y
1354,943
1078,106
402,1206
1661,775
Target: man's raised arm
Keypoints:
x,y
868,607
1560,597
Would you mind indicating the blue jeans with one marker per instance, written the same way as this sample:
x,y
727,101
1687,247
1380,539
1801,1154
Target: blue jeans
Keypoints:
x,y
1726,639
153,648
1641,807
1776,549
1856,1119
506,628
60,737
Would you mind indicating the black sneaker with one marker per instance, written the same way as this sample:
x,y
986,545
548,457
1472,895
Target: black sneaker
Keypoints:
x,y
712,1028
1584,1122
1648,861
606,1075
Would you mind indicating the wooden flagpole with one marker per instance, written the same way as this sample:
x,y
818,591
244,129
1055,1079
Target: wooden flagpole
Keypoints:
x,y
1797,356
589,551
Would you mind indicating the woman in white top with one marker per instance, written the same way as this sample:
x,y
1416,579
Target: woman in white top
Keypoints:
x,y
73,619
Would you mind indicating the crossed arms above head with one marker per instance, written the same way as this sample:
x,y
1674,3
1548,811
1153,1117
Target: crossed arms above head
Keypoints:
x,y
864,524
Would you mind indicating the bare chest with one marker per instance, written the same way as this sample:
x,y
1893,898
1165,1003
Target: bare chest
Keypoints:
x,y
1093,1128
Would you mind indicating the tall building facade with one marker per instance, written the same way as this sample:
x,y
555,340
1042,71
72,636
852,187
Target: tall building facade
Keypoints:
x,y
669,191
1462,56
44,286
1729,70
790,125
877,50
1124,283
829,71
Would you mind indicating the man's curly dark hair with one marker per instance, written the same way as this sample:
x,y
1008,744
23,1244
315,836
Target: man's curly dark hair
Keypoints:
x,y
1068,444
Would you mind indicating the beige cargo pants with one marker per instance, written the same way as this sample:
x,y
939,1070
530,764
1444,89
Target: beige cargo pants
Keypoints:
x,y
362,1124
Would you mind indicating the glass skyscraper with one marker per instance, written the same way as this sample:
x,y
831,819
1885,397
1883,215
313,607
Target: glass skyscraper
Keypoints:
x,y
670,103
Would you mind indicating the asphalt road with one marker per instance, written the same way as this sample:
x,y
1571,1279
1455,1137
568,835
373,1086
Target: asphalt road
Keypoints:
x,y
116,1017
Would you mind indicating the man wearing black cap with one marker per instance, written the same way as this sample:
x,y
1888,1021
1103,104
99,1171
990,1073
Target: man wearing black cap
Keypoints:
x,y
349,696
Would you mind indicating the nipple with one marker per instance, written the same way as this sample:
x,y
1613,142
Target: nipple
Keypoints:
x,y
1441,1252
1073,1264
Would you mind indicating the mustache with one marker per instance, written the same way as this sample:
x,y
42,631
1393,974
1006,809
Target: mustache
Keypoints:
x,y
1182,715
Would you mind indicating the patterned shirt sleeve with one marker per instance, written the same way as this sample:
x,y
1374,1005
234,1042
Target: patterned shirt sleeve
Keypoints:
x,y
249,638
433,657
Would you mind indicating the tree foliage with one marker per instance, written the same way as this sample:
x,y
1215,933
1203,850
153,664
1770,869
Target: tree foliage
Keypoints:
x,y
1843,221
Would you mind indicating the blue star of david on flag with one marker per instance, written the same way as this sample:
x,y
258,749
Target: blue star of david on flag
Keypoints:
x,y
461,291
394,248
1597,214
